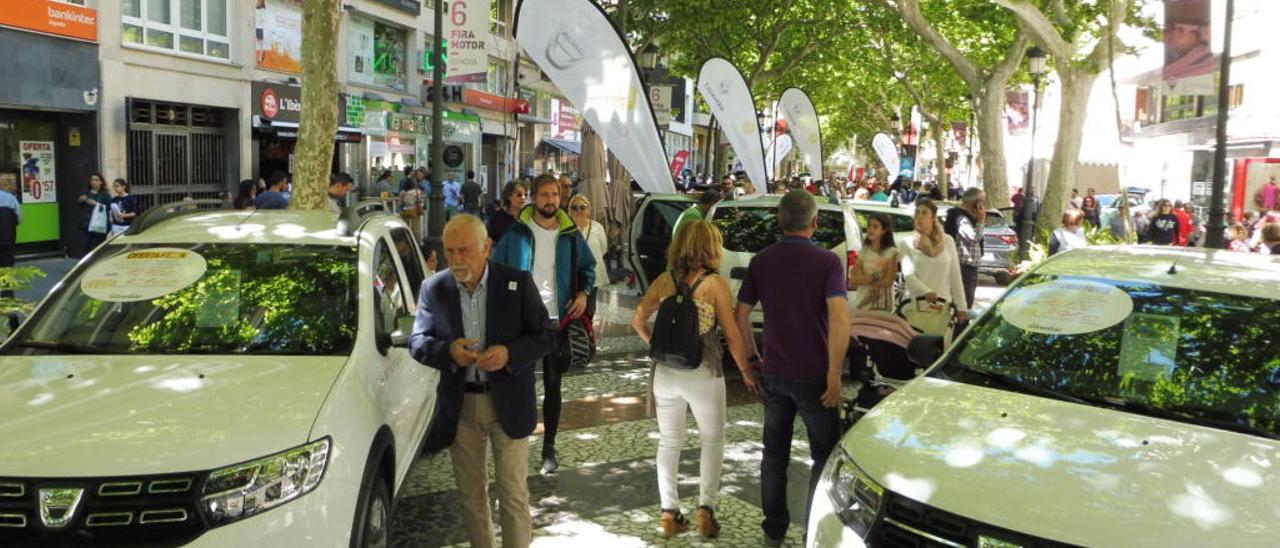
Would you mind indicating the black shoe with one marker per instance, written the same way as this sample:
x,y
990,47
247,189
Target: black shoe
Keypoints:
x,y
549,462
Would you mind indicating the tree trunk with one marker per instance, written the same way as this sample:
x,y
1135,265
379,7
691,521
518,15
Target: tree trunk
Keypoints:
x,y
940,141
990,119
1077,83
320,93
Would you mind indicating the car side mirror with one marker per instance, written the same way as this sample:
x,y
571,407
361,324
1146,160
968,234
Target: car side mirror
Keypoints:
x,y
404,329
923,350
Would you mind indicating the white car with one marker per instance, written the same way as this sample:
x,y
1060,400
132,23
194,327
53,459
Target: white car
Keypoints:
x,y
748,225
218,378
1112,397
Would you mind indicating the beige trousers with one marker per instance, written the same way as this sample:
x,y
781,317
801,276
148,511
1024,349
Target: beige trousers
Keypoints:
x,y
478,426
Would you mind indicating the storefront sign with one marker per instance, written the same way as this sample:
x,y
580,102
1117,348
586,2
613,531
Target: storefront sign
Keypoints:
x,y
660,96
494,102
565,121
453,156
38,176
73,136
467,29
277,102
408,6
278,27
51,17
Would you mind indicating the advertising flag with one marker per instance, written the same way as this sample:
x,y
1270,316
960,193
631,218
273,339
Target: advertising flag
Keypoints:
x,y
802,117
726,92
887,152
576,45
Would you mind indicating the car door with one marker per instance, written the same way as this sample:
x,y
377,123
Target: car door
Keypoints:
x,y
406,389
650,234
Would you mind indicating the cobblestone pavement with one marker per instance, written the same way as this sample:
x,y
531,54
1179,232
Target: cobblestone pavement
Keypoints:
x,y
605,493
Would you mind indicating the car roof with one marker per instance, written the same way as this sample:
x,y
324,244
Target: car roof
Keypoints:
x,y
886,207
772,200
245,226
1212,270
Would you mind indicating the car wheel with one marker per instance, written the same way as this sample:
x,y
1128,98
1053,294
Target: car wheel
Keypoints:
x,y
373,529
1003,278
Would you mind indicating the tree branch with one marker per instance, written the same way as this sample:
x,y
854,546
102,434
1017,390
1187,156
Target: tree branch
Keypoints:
x,y
1035,23
909,10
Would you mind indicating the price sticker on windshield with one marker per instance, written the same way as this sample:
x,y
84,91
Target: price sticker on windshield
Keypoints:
x,y
1066,307
143,274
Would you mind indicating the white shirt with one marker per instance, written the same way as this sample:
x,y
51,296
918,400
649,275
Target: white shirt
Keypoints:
x,y
544,267
598,241
1068,240
940,274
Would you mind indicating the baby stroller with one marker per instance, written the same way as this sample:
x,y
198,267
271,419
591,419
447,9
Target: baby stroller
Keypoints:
x,y
886,338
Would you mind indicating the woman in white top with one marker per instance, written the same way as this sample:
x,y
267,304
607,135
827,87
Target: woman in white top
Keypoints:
x,y
929,261
1070,235
593,232
693,258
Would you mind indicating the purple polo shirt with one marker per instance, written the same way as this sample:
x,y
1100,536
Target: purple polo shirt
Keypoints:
x,y
792,280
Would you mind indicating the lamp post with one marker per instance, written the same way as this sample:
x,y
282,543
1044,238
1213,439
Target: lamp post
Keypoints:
x,y
895,123
1030,204
1217,207
969,138
435,203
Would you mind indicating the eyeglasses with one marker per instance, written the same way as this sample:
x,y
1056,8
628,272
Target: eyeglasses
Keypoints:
x,y
579,208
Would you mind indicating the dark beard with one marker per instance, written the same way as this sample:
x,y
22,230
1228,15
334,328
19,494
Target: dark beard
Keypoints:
x,y
547,215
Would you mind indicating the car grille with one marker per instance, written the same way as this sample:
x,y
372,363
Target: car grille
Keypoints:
x,y
906,523
139,511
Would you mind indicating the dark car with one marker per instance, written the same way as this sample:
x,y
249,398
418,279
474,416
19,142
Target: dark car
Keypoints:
x,y
999,244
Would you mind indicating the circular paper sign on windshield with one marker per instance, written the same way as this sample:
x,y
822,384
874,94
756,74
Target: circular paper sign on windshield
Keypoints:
x,y
143,274
1066,307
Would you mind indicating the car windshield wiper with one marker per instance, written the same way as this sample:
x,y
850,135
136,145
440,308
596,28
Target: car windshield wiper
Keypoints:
x,y
1212,418
1025,387
69,347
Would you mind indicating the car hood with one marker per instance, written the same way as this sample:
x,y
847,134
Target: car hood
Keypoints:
x,y
64,416
1071,473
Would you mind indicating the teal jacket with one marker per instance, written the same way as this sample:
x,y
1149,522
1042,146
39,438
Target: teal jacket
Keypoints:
x,y
516,250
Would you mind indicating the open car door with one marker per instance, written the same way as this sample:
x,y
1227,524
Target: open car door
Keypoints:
x,y
650,234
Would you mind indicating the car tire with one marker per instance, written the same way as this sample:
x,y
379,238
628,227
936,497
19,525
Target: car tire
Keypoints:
x,y
373,519
1003,278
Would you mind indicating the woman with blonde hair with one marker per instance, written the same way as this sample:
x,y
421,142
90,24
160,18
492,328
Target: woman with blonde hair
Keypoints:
x,y
1071,234
929,262
692,261
597,240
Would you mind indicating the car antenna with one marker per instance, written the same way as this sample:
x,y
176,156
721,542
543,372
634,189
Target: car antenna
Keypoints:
x,y
246,218
1173,268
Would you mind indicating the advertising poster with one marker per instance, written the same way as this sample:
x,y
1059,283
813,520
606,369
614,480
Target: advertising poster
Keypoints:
x,y
360,46
467,31
278,29
1188,58
1017,110
36,160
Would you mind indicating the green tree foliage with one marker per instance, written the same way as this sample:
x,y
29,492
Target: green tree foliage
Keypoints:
x,y
15,279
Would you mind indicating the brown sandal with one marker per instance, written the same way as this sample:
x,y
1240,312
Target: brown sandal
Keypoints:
x,y
673,523
708,525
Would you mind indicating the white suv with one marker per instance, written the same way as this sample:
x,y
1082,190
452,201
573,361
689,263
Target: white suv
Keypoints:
x,y
218,378
1112,397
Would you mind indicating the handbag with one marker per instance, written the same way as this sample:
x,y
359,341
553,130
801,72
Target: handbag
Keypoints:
x,y
98,221
929,318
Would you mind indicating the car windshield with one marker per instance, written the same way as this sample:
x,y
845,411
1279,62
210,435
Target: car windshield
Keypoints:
x,y
995,220
751,229
201,299
1186,355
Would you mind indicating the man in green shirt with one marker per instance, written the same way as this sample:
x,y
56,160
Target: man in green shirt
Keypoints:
x,y
698,212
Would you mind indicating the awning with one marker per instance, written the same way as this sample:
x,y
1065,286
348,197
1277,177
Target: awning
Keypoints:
x,y
289,130
570,147
530,119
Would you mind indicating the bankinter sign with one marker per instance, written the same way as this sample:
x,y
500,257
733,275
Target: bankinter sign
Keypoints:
x,y
51,17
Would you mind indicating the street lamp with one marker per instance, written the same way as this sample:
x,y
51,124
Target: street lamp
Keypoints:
x,y
895,123
1030,205
649,56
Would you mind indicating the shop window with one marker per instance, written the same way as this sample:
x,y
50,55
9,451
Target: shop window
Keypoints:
x,y
378,54
496,82
189,27
1178,107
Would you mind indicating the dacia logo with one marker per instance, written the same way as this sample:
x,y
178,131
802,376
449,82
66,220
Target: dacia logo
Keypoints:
x,y
58,506
565,48
988,542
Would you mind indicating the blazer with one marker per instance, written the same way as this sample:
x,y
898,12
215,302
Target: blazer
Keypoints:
x,y
514,317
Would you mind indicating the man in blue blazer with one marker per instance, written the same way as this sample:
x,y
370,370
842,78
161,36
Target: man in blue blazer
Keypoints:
x,y
483,325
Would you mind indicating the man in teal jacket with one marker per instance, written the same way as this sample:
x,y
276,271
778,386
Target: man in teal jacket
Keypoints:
x,y
545,242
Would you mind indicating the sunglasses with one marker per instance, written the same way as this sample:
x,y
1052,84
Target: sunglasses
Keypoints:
x,y
579,208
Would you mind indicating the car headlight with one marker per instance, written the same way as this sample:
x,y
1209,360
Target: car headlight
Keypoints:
x,y
237,492
855,496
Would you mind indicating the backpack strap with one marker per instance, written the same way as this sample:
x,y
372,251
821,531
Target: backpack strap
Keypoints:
x,y
698,281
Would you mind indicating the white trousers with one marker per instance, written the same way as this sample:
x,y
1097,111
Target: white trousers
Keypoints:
x,y
675,391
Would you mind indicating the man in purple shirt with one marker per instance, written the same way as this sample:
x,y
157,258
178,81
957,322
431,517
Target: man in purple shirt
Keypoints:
x,y
801,286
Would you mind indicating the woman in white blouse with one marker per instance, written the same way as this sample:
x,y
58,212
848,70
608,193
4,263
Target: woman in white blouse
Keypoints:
x,y
593,232
929,261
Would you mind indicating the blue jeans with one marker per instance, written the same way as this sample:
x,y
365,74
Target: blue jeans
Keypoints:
x,y
783,399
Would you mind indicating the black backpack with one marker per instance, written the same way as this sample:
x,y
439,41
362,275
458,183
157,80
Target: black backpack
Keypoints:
x,y
676,340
